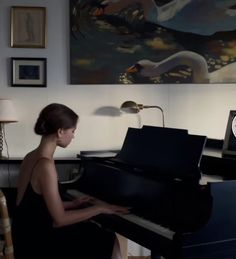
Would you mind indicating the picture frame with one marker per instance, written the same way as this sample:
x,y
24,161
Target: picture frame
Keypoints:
x,y
28,27
28,72
229,145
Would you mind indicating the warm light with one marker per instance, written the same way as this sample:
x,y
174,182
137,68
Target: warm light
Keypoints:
x,y
7,111
7,115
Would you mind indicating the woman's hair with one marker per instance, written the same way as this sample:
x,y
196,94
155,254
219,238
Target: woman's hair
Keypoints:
x,y
53,117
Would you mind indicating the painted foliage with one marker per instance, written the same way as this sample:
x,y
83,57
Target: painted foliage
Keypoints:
x,y
152,41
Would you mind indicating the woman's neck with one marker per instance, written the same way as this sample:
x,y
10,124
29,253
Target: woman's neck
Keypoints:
x,y
47,146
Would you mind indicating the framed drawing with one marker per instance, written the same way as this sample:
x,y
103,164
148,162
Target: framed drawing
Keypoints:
x,y
28,27
29,72
152,42
229,146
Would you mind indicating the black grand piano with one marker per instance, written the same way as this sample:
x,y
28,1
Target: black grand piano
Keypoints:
x,y
157,174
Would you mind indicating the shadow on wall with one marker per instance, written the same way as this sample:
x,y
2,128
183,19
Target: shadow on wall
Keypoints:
x,y
113,111
108,111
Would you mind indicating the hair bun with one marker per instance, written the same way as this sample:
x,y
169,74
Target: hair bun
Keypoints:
x,y
40,127
53,117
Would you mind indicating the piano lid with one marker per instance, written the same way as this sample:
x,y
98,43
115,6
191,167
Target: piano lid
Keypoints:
x,y
163,152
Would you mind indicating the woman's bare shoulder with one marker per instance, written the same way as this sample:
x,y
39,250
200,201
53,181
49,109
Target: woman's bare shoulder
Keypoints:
x,y
27,160
45,171
45,162
29,156
32,160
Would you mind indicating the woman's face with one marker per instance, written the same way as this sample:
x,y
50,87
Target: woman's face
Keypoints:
x,y
66,135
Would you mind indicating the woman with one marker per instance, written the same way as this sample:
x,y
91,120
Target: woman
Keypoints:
x,y
44,226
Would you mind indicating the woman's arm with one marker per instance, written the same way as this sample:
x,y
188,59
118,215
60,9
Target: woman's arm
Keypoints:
x,y
68,205
48,183
77,202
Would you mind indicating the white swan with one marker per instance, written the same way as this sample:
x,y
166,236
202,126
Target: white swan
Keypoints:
x,y
196,62
152,12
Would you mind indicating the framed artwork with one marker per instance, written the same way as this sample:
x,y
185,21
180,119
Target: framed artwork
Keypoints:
x,y
29,72
28,27
152,42
229,146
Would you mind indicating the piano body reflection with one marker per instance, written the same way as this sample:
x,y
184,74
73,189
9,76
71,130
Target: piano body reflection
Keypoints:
x,y
157,174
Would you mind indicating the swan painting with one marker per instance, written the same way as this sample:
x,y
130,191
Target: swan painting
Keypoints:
x,y
203,17
196,62
108,36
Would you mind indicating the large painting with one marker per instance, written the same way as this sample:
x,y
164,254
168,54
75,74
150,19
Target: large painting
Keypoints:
x,y
152,41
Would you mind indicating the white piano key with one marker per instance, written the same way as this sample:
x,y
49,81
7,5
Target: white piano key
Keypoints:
x,y
149,225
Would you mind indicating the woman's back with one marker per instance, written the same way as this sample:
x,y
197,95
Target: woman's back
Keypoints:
x,y
31,225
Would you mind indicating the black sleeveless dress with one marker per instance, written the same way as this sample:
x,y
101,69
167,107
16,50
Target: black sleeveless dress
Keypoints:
x,y
35,237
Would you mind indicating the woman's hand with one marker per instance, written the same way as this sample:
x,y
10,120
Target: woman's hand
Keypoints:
x,y
109,208
103,206
113,209
82,201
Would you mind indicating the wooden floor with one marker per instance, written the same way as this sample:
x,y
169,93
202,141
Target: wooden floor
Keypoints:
x,y
124,249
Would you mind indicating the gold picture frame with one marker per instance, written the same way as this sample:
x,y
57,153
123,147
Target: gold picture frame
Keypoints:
x,y
28,27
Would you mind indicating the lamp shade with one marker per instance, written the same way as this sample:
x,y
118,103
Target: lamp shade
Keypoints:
x,y
7,111
130,107
133,107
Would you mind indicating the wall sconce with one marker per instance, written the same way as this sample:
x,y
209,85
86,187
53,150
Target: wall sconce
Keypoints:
x,y
7,115
132,107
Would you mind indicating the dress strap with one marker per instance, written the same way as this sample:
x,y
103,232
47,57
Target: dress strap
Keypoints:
x,y
35,165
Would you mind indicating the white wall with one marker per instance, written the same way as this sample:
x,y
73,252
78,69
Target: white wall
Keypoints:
x,y
202,109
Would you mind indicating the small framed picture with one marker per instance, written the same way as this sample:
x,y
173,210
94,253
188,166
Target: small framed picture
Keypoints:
x,y
28,27
229,146
29,72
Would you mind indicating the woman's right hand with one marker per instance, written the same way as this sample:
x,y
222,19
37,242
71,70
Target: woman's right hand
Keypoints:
x,y
107,208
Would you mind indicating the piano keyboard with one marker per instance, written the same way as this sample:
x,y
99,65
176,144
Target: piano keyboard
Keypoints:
x,y
165,232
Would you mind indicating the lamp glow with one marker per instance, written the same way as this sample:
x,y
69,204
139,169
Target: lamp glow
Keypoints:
x,y
7,115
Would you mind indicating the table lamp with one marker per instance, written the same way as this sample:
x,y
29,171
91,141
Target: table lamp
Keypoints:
x,y
7,115
133,107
